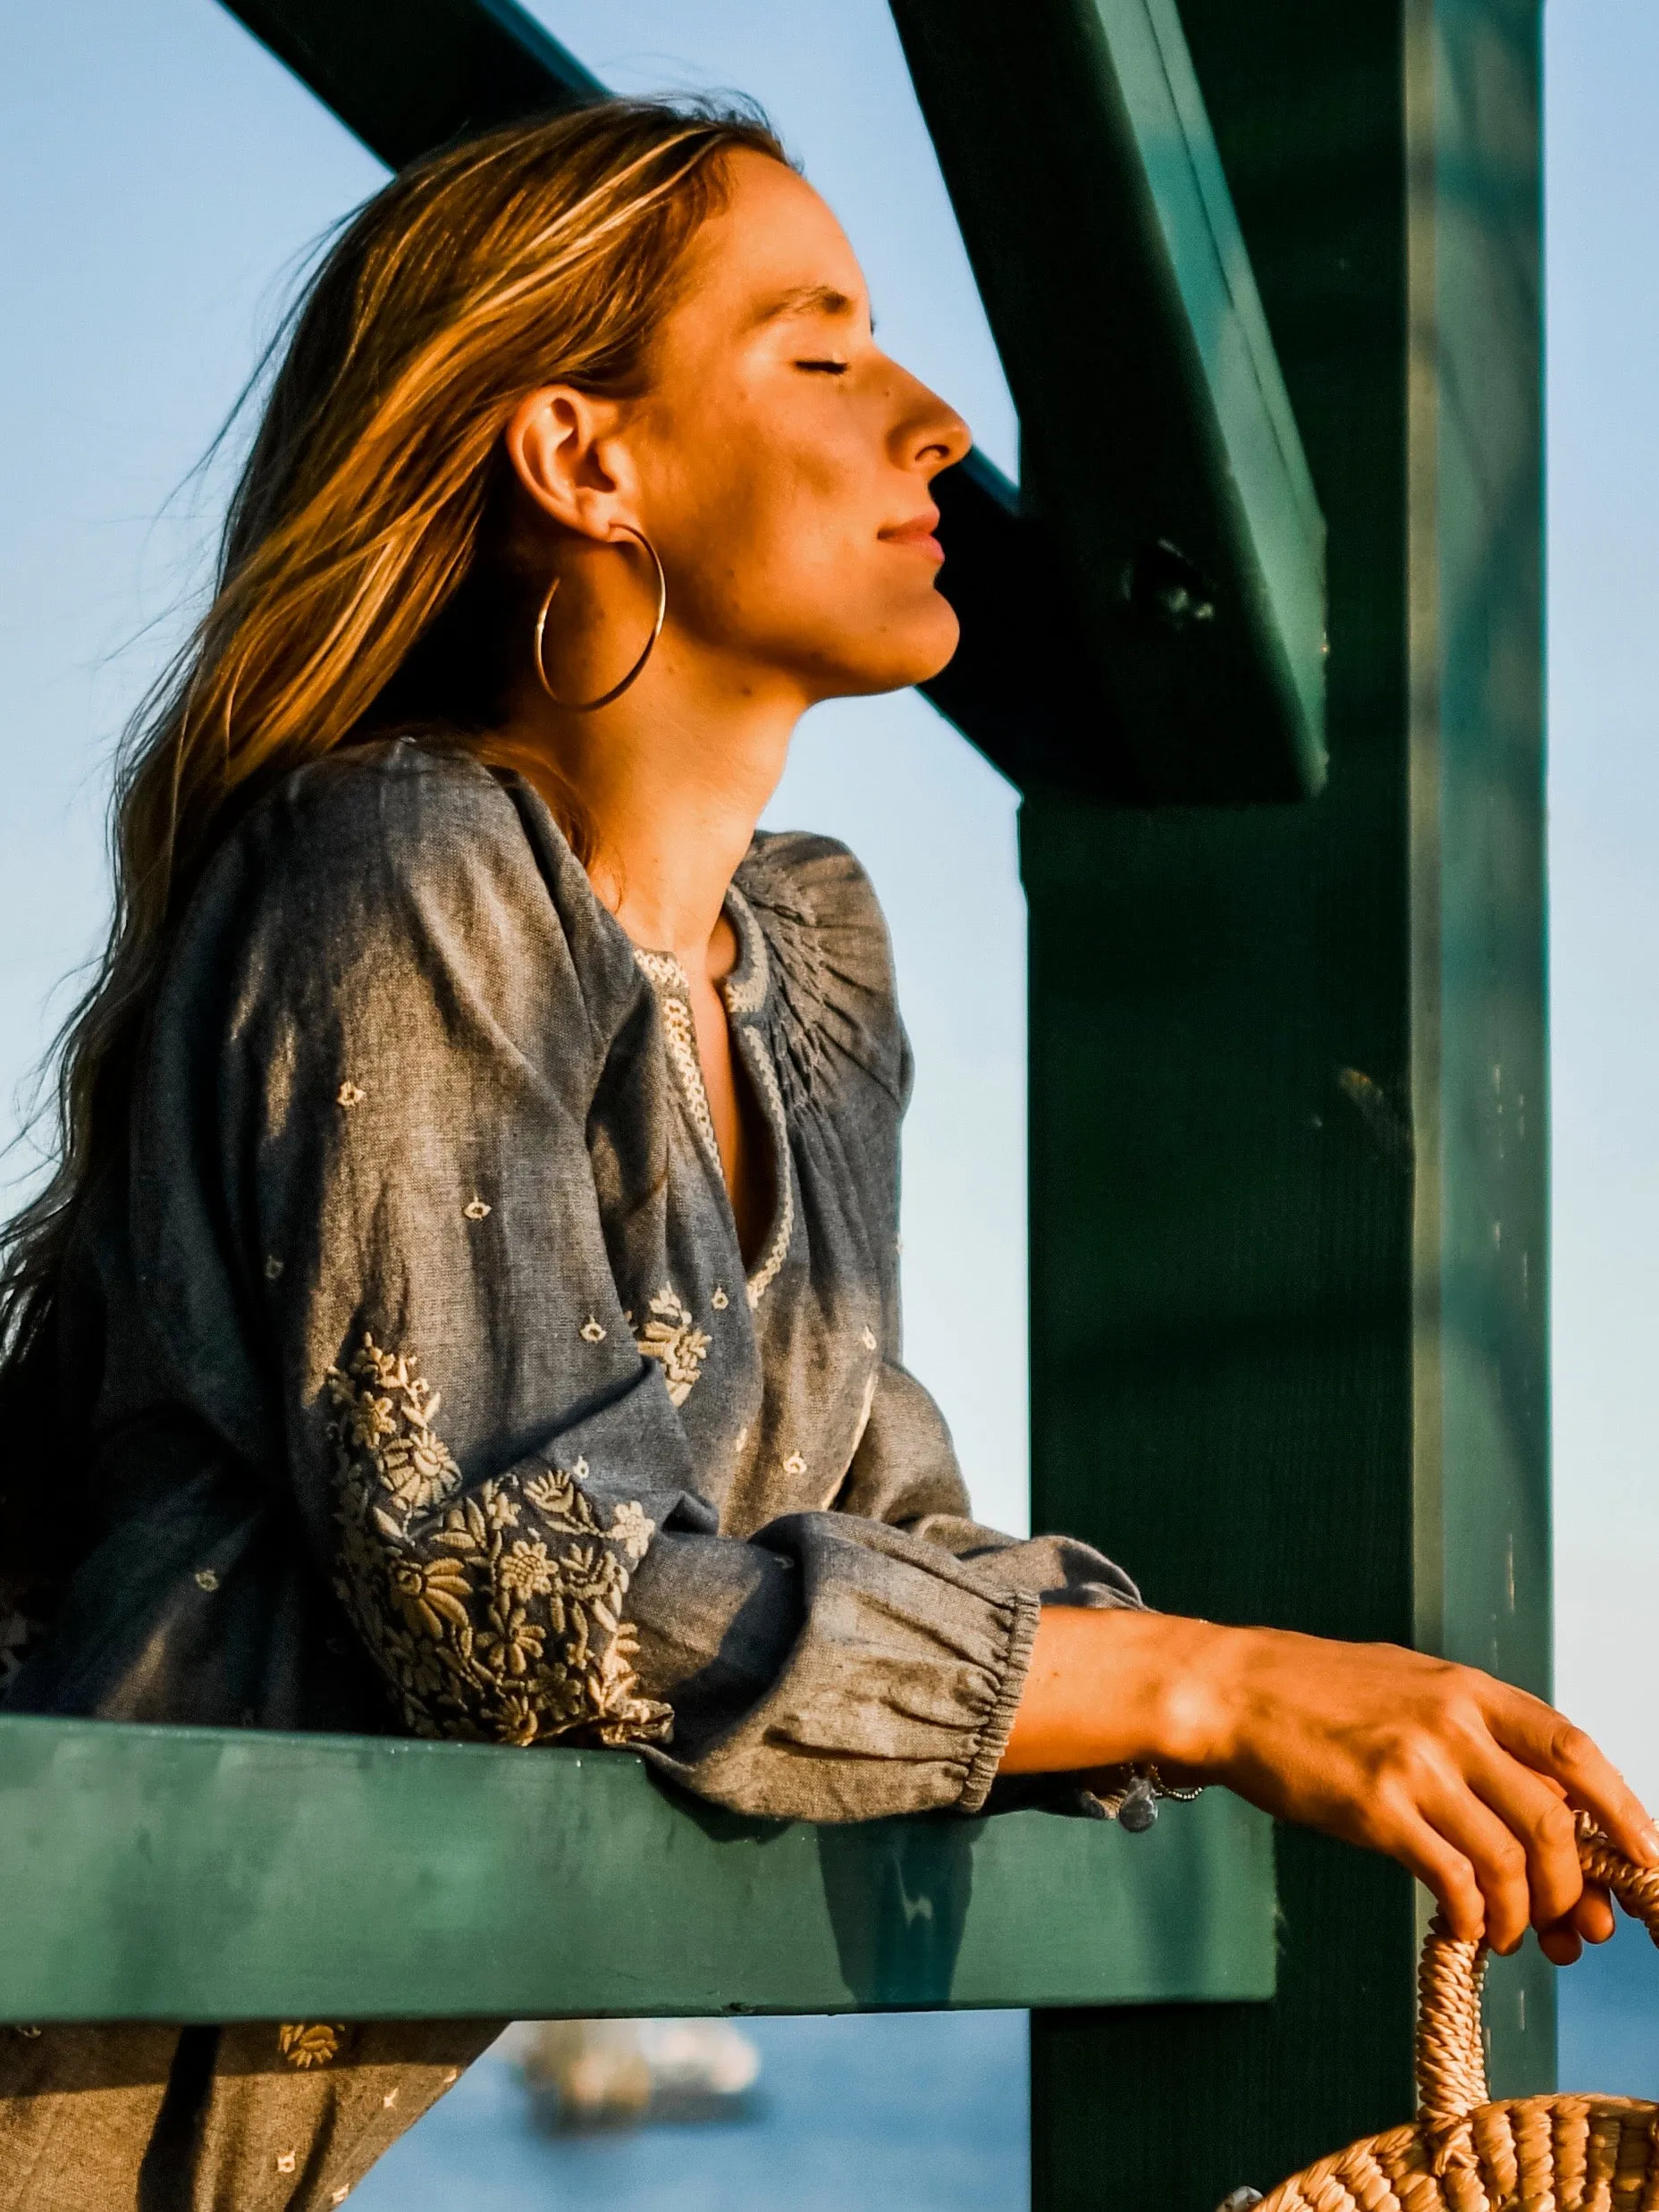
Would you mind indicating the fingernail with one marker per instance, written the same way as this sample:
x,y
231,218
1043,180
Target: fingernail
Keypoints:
x,y
1648,1839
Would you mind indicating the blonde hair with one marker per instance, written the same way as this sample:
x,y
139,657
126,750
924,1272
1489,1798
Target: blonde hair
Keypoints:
x,y
367,577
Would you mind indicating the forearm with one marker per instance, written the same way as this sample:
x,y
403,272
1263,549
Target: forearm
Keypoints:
x,y
1465,1779
1111,1688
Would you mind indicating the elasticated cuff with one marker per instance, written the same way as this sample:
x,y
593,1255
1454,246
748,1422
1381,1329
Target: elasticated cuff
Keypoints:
x,y
993,1740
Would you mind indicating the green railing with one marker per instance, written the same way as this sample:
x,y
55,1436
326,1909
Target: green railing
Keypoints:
x,y
226,1874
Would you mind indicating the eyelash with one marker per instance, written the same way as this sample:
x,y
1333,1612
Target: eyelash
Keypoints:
x,y
827,368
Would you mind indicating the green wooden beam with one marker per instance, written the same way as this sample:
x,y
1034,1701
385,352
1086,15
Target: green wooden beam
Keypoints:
x,y
1289,1120
434,70
203,1874
1157,435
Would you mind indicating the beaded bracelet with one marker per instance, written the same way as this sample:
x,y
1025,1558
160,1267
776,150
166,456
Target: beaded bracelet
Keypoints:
x,y
1135,1806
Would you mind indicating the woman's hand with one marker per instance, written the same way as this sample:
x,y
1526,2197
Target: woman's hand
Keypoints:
x,y
1468,1782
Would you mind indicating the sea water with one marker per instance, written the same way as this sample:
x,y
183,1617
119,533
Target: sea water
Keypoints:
x,y
881,2113
885,2113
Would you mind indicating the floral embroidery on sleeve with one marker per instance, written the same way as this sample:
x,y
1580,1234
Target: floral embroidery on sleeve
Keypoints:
x,y
671,1337
309,2043
499,1616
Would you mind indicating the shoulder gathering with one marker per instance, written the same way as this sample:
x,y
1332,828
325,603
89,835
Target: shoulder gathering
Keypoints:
x,y
834,992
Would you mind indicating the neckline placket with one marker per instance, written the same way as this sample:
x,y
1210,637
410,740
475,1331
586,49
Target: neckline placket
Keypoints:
x,y
745,991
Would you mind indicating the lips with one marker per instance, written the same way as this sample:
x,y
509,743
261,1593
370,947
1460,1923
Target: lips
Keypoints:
x,y
917,532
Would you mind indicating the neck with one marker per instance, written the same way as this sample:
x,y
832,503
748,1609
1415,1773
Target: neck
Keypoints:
x,y
672,779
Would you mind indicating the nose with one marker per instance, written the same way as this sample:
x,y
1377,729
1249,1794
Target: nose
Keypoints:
x,y
930,435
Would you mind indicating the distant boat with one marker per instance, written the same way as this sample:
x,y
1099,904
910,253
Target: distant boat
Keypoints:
x,y
583,2074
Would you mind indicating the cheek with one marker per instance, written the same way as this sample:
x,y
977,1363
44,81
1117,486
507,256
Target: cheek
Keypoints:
x,y
776,529
768,522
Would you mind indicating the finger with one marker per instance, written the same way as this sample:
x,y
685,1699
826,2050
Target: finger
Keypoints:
x,y
1540,1820
1590,1921
1496,1856
1593,1916
1560,1944
1543,1738
1440,1867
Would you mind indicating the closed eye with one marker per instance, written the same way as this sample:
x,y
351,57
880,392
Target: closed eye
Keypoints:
x,y
825,368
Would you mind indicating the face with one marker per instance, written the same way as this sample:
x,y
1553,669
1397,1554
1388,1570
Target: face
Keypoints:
x,y
780,461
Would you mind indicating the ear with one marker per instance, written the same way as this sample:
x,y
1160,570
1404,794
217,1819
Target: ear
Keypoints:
x,y
566,451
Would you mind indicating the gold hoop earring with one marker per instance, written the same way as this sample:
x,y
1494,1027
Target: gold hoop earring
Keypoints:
x,y
589,706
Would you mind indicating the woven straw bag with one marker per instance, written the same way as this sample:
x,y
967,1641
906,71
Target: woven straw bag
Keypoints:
x,y
1518,2154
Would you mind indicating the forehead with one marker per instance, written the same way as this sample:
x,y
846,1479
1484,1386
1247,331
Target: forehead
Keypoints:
x,y
775,250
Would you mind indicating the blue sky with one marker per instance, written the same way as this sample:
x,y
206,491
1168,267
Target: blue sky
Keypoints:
x,y
162,176
1602,166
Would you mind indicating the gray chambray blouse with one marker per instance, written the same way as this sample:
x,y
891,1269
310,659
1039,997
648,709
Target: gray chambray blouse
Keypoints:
x,y
428,1387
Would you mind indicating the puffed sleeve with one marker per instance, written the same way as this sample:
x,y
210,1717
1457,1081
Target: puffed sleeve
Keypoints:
x,y
368,1229
894,1604
755,1683
838,1037
905,1472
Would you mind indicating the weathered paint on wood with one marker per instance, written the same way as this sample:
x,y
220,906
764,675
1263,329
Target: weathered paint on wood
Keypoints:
x,y
194,1873
1287,1106
1483,1545
1156,433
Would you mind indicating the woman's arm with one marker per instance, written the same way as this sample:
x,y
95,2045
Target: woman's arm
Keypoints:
x,y
1465,1780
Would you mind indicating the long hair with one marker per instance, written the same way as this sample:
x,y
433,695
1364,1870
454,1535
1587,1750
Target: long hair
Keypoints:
x,y
367,577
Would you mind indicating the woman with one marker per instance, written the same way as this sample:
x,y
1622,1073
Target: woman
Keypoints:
x,y
468,1302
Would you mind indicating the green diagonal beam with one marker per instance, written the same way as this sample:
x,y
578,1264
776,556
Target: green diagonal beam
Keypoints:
x,y
1158,436
409,77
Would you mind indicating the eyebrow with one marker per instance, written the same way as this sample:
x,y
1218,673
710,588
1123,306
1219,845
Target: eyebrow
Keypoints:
x,y
808,299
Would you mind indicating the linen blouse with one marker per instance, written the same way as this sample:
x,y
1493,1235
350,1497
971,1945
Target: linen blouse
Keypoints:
x,y
420,1379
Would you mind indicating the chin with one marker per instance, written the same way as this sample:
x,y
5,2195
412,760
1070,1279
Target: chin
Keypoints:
x,y
911,651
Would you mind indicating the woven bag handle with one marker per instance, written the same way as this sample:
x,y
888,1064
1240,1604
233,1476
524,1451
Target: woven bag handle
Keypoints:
x,y
1451,2060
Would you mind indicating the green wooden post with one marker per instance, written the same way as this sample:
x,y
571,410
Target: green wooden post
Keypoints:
x,y
1288,1107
